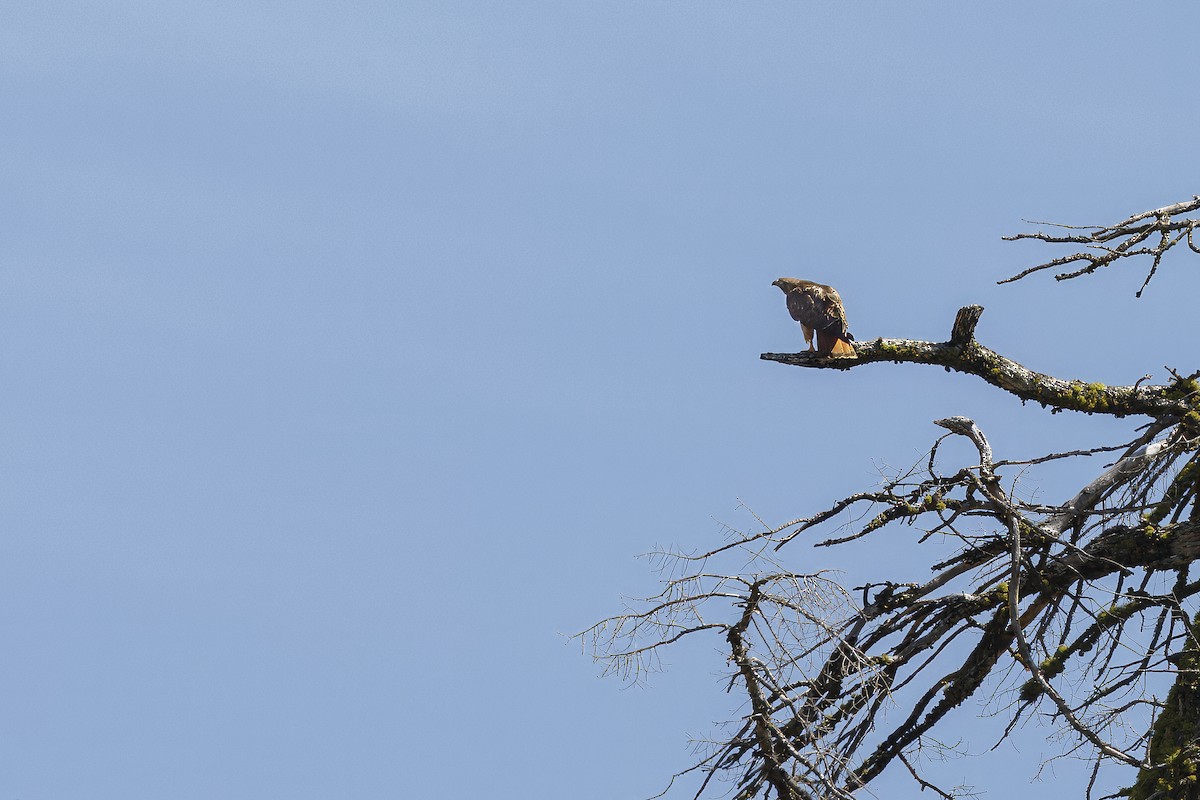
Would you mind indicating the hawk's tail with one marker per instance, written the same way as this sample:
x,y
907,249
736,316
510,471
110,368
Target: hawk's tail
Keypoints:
x,y
842,348
832,344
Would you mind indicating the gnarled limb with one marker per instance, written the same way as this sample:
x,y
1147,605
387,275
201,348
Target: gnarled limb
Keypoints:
x,y
817,670
964,354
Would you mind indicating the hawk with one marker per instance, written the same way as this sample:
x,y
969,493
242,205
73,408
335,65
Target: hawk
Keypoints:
x,y
818,308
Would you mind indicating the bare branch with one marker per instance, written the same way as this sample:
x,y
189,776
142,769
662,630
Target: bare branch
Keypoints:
x,y
1129,233
975,359
1015,621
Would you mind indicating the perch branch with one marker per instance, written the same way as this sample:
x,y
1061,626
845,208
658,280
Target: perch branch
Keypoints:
x,y
964,354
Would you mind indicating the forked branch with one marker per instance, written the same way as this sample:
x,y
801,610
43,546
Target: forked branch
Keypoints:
x,y
1151,233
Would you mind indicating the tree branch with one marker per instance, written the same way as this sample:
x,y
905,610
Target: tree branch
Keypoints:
x,y
964,354
1131,232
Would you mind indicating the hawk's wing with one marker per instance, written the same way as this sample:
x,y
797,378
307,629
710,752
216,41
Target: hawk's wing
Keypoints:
x,y
819,308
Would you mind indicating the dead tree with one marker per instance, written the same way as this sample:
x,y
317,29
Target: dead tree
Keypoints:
x,y
1078,607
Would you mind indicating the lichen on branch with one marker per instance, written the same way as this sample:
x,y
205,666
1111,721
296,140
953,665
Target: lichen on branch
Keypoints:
x,y
966,354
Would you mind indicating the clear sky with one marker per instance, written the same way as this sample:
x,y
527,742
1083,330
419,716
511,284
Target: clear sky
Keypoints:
x,y
352,351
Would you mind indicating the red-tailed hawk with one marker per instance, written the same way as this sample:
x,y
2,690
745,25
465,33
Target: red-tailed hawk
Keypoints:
x,y
818,308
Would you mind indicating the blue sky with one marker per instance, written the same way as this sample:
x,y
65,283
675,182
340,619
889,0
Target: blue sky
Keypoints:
x,y
351,352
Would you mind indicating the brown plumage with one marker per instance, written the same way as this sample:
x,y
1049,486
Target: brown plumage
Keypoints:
x,y
818,308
